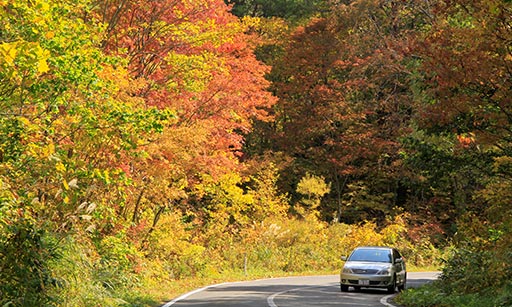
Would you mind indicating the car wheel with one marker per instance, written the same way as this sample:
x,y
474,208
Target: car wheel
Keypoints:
x,y
401,287
343,288
392,288
404,282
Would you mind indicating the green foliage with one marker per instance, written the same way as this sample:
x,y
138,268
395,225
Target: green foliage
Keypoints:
x,y
116,266
25,252
76,277
468,271
434,295
293,10
360,201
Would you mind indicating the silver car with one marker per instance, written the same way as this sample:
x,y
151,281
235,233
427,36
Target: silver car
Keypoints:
x,y
373,267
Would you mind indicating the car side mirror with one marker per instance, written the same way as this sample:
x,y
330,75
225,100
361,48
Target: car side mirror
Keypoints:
x,y
344,258
399,260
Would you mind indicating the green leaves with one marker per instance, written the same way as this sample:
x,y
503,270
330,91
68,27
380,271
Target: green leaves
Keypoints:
x,y
24,254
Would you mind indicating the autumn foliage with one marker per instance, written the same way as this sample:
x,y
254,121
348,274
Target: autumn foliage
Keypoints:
x,y
146,142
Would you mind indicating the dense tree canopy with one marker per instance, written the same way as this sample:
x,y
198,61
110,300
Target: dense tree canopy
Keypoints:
x,y
288,9
158,134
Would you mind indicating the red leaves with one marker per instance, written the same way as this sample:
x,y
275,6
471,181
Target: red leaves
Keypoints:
x,y
196,61
465,60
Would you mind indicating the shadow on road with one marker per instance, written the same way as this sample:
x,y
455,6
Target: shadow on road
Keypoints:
x,y
296,292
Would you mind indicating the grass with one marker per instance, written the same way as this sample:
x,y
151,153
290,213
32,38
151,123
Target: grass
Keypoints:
x,y
430,268
433,295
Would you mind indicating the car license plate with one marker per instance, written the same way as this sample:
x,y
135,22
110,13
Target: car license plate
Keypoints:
x,y
364,282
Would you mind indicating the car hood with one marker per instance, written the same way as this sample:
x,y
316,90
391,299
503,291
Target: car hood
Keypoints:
x,y
366,265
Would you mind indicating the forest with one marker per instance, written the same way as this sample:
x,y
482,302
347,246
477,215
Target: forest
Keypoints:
x,y
151,146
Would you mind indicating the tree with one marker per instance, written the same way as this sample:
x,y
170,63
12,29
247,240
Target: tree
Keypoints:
x,y
314,188
345,100
465,63
194,60
67,117
291,10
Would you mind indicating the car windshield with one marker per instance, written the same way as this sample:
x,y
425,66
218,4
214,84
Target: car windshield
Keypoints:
x,y
371,255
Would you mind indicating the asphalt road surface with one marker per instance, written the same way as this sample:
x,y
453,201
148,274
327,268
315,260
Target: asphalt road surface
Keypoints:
x,y
320,291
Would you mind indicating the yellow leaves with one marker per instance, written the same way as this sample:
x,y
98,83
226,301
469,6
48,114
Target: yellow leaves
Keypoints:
x,y
395,232
313,185
117,77
314,188
179,13
42,66
208,31
103,175
193,72
270,30
22,58
8,53
72,184
60,167
24,121
42,6
251,22
119,85
40,55
66,185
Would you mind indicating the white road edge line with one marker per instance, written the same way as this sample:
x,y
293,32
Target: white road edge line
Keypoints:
x,y
184,296
270,299
384,300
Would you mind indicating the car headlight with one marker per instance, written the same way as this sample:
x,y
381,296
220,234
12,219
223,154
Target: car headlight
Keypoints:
x,y
348,270
384,272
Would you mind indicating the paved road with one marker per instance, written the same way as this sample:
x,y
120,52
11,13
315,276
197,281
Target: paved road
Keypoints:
x,y
321,291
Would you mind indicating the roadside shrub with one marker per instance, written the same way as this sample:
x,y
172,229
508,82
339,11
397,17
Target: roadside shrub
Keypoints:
x,y
428,295
25,251
467,271
78,284
471,277
504,297
171,245
116,266
435,295
308,245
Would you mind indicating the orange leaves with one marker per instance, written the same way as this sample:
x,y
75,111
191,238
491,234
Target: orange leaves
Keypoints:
x,y
466,60
466,140
196,61
192,59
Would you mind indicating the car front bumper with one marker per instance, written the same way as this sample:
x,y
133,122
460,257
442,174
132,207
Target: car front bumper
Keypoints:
x,y
371,281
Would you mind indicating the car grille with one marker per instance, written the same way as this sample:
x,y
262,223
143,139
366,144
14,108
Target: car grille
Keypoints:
x,y
364,271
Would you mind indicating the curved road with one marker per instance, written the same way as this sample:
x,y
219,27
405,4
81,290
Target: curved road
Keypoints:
x,y
321,291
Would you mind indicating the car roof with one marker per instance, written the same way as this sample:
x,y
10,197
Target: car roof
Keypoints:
x,y
374,247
